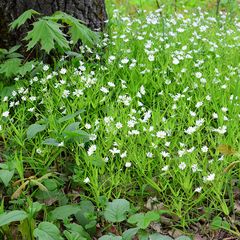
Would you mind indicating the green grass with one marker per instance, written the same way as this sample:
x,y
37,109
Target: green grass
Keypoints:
x,y
158,101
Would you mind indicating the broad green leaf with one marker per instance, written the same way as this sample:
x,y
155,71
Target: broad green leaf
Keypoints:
x,y
23,18
183,238
51,142
69,116
218,223
117,210
77,230
47,34
10,67
130,233
110,237
64,212
72,126
157,236
143,220
34,129
86,215
6,176
13,216
47,231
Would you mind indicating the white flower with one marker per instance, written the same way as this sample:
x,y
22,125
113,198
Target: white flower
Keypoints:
x,y
125,61
224,109
175,61
182,165
104,90
63,71
88,126
193,114
123,155
198,75
151,58
86,180
61,144
165,168
204,149
215,115
198,104
78,92
165,154
210,177
0,127
118,125
190,130
114,151
31,109
128,164
199,189
65,93
208,98
38,150
92,137
5,114
161,134
149,155
199,122
91,150
194,167
45,67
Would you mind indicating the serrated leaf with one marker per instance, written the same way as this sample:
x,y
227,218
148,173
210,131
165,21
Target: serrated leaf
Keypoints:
x,y
13,216
10,67
6,176
47,33
77,30
34,129
64,212
23,18
47,231
69,116
27,67
117,210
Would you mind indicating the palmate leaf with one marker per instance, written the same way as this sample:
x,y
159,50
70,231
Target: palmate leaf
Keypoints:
x,y
10,67
48,34
77,31
23,18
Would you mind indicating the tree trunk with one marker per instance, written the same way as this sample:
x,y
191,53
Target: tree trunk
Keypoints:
x,y
92,12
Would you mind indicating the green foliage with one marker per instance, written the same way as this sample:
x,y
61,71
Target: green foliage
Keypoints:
x,y
13,216
47,231
116,211
34,129
142,220
28,14
6,176
48,35
47,32
12,64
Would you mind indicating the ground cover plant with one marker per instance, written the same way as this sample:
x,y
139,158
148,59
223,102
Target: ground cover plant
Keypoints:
x,y
136,136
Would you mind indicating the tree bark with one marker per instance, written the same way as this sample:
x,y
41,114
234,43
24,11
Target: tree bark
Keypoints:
x,y
92,12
